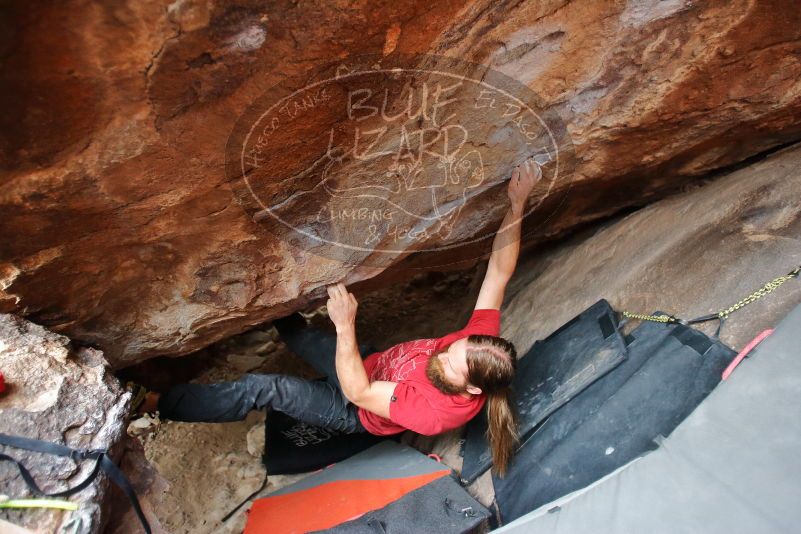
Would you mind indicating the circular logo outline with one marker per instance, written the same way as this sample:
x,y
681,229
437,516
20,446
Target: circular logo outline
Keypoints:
x,y
375,68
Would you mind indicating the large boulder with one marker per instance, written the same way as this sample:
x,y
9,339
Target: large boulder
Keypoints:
x,y
123,230
65,396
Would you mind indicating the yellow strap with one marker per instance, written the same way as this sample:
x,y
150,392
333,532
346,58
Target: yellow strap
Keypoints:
x,y
39,503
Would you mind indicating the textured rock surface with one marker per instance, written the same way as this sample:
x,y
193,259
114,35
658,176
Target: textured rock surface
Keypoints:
x,y
150,488
692,254
58,395
120,226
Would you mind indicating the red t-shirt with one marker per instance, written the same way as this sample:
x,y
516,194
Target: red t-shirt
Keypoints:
x,y
419,406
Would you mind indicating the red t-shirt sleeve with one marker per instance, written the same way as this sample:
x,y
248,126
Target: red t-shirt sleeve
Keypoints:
x,y
484,322
412,410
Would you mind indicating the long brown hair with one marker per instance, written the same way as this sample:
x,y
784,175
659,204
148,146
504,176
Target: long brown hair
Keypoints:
x,y
491,365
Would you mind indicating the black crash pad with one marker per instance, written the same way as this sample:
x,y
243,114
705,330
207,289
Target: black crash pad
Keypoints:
x,y
670,369
551,373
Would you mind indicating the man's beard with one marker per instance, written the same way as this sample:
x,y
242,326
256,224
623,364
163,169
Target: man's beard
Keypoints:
x,y
436,374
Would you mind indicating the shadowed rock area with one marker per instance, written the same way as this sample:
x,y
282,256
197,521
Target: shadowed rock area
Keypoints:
x,y
125,231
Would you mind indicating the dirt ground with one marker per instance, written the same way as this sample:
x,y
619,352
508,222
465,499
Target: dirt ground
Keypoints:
x,y
190,475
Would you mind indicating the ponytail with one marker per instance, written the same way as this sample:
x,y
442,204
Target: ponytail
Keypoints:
x,y
491,363
502,429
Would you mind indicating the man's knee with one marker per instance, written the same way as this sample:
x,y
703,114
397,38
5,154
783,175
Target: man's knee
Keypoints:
x,y
272,389
256,390
254,383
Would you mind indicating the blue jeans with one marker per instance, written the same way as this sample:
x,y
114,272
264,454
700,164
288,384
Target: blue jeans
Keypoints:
x,y
315,402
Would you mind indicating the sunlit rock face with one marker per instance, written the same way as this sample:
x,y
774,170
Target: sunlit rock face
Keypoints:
x,y
134,221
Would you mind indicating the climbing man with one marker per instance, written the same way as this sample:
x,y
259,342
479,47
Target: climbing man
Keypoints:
x,y
428,386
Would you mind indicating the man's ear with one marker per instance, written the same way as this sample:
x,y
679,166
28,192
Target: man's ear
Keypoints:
x,y
473,390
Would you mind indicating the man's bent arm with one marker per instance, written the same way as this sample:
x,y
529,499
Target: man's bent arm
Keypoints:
x,y
356,386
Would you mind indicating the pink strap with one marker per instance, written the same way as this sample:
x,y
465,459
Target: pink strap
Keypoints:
x,y
743,353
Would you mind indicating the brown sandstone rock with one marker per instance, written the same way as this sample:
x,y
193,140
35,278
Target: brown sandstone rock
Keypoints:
x,y
121,227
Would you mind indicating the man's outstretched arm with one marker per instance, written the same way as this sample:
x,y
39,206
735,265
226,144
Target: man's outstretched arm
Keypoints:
x,y
506,246
356,386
